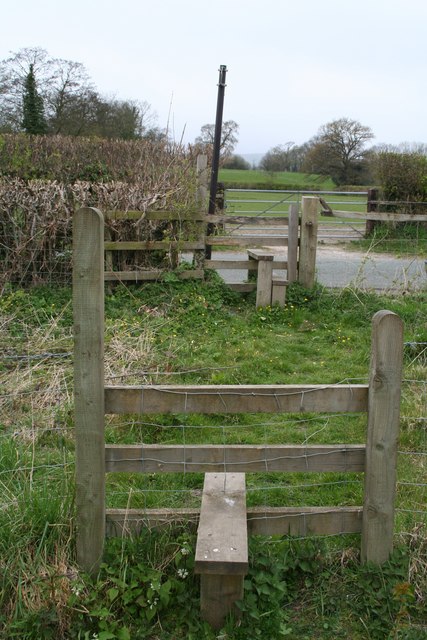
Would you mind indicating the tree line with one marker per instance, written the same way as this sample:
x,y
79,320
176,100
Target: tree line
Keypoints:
x,y
44,95
340,150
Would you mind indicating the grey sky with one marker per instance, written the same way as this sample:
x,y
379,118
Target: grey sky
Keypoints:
x,y
292,66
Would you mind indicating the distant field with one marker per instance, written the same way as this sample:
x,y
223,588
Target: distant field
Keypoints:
x,y
280,180
277,202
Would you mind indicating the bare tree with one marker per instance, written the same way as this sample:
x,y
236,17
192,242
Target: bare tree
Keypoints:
x,y
13,74
229,138
72,105
339,150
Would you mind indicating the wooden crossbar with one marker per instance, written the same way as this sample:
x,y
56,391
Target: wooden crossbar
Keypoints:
x,y
155,458
269,521
146,399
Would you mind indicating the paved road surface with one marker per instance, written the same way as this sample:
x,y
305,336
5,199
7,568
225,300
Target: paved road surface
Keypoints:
x,y
338,267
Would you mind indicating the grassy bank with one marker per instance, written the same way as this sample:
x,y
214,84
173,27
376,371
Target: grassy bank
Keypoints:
x,y
201,333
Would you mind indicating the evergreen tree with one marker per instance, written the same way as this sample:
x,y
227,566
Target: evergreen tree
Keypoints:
x,y
33,112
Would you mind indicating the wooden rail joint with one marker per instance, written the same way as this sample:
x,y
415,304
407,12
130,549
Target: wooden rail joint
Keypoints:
x,y
222,545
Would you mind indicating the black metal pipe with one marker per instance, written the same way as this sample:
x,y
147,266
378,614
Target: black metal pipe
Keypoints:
x,y
216,152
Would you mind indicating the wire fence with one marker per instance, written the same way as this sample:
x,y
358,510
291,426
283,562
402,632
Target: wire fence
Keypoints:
x,y
37,447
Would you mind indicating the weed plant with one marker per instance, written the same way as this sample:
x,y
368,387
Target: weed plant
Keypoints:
x,y
404,239
202,333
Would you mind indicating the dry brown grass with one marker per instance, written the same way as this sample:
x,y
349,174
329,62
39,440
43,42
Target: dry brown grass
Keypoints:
x,y
45,179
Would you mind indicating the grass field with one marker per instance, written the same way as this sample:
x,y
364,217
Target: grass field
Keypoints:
x,y
202,333
277,180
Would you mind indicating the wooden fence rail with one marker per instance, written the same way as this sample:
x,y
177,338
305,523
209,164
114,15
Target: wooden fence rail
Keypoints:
x,y
225,465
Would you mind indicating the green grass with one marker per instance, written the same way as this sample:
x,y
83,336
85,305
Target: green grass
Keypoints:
x,y
277,180
403,240
201,333
274,203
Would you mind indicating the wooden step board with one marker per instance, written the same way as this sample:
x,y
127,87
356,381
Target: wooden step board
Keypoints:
x,y
222,545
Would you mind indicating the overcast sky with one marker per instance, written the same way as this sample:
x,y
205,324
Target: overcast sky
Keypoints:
x,y
292,65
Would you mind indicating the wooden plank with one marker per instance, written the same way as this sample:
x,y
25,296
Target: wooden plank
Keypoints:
x,y
156,215
222,536
304,521
122,523
260,254
242,287
146,399
152,274
218,595
293,243
398,217
264,281
157,458
88,312
197,216
308,241
241,264
293,521
381,216
222,545
247,241
154,245
263,221
382,439
355,215
278,290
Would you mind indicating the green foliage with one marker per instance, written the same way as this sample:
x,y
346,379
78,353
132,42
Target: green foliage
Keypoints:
x,y
403,238
140,582
34,121
338,151
382,596
403,177
277,572
236,162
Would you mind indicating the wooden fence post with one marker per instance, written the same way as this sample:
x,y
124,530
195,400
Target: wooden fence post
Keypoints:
x,y
382,438
371,205
292,243
308,241
88,310
201,203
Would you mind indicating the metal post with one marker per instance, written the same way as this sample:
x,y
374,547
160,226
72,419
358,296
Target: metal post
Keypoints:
x,y
216,151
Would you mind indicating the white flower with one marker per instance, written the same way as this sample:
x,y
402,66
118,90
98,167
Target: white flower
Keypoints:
x,y
185,551
183,573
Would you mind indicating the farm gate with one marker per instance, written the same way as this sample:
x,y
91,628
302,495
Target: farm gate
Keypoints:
x,y
223,520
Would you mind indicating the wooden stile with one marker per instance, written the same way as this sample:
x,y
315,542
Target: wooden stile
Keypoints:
x,y
223,517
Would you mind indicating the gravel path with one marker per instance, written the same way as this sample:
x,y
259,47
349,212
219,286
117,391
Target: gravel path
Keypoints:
x,y
338,267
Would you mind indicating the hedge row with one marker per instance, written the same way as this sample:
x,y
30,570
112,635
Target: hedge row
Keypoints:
x,y
36,213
